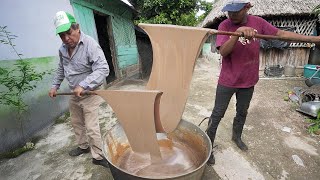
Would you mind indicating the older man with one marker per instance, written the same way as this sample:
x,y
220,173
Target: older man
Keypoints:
x,y
83,64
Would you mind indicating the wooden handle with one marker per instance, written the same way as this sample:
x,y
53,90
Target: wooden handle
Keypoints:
x,y
260,36
72,93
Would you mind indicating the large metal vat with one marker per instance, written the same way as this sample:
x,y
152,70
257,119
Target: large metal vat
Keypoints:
x,y
115,140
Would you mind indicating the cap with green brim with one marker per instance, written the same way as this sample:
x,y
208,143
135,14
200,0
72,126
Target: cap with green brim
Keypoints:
x,y
63,21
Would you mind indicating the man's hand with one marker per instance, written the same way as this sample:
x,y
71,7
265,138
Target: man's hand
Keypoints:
x,y
52,93
247,32
77,91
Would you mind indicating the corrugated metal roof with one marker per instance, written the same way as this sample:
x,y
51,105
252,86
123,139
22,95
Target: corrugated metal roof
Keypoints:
x,y
127,2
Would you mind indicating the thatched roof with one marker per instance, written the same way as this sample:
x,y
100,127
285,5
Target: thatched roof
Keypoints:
x,y
264,8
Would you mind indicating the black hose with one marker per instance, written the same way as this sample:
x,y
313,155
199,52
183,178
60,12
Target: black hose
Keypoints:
x,y
203,120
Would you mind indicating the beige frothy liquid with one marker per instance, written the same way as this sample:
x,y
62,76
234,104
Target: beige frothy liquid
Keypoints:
x,y
177,158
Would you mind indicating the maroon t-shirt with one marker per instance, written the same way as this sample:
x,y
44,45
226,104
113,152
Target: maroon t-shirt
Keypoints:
x,y
240,69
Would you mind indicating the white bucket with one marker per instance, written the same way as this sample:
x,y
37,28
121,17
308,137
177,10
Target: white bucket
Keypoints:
x,y
290,70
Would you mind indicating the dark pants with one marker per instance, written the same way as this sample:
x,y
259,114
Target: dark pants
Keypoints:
x,y
223,96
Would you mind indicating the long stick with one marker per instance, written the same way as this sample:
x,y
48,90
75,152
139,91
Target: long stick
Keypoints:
x,y
260,36
72,93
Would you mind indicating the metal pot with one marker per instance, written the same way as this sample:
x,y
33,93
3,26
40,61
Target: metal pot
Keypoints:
x,y
115,141
311,107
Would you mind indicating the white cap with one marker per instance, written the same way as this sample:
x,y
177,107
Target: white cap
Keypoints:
x,y
62,21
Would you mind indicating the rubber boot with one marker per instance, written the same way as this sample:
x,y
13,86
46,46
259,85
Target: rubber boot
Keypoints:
x,y
211,132
236,137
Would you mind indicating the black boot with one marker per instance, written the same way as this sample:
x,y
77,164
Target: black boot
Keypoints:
x,y
211,161
236,136
211,132
78,151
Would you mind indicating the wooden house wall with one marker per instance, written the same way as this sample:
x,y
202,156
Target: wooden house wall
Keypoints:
x,y
123,34
125,41
85,18
300,24
298,53
293,56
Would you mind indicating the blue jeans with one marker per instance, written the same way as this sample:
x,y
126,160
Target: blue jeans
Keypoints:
x,y
223,96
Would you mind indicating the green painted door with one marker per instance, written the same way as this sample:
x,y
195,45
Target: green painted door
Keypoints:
x,y
85,18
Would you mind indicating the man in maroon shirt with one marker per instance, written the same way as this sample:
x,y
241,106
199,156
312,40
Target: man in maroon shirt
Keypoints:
x,y
240,65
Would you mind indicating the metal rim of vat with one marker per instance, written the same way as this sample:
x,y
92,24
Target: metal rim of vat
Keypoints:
x,y
182,124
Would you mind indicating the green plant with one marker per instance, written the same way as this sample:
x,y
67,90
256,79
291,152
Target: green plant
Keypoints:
x,y
314,127
63,118
16,80
15,153
178,12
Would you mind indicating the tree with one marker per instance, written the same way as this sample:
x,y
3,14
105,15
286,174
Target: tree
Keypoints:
x,y
177,12
17,80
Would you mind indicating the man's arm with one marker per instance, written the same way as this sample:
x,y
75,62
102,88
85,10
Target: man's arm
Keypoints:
x,y
100,68
57,80
228,46
293,35
59,76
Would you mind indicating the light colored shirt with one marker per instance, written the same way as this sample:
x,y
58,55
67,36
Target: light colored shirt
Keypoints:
x,y
240,69
87,67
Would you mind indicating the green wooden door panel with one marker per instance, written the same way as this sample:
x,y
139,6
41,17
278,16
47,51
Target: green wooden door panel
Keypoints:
x,y
127,55
123,32
110,7
85,18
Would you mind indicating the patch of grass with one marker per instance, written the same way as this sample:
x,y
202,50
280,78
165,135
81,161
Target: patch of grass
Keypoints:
x,y
63,118
104,105
314,126
17,152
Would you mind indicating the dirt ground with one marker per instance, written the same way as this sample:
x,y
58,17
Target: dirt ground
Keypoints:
x,y
279,145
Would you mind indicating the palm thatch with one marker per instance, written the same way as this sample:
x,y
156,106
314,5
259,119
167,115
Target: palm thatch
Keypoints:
x,y
264,8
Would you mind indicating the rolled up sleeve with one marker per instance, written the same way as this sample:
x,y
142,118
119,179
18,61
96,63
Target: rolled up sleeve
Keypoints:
x,y
59,76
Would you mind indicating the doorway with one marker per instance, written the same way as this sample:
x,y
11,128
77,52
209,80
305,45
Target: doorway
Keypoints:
x,y
103,26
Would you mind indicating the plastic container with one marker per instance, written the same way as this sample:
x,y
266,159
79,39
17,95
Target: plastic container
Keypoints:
x,y
290,70
309,70
273,71
293,97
